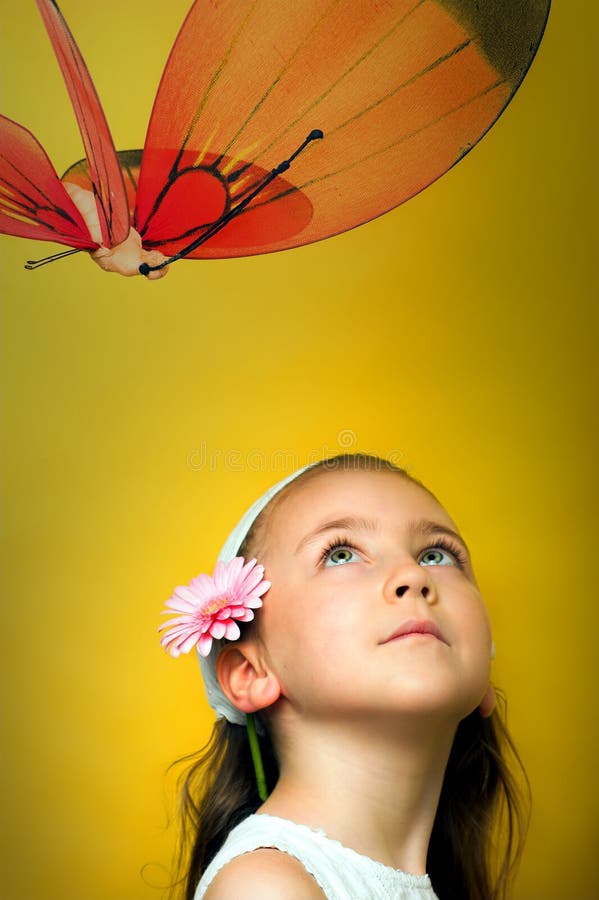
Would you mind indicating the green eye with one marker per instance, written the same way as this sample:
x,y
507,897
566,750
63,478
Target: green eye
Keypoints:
x,y
339,556
436,557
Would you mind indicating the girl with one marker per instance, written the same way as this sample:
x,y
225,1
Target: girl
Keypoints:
x,y
366,673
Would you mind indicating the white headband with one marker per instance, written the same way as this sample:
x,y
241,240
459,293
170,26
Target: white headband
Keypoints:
x,y
217,700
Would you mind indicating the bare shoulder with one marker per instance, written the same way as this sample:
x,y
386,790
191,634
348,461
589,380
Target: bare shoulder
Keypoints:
x,y
264,874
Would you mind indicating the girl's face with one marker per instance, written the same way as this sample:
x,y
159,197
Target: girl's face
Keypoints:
x,y
361,563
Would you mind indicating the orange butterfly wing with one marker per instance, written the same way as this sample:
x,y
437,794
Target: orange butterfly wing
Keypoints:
x,y
402,90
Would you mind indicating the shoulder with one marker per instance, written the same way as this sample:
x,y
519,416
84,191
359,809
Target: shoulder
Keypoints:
x,y
264,874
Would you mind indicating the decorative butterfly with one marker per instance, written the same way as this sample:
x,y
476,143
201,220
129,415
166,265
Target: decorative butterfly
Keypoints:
x,y
275,124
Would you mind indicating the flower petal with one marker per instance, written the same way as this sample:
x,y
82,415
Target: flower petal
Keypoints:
x,y
173,633
179,620
232,631
186,595
226,573
262,587
180,605
253,603
252,578
188,644
169,643
177,634
217,629
204,645
243,615
202,583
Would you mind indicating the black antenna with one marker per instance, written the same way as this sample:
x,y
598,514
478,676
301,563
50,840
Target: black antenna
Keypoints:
x,y
36,263
314,135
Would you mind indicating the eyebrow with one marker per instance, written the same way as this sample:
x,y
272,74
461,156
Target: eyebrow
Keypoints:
x,y
428,527
418,527
347,523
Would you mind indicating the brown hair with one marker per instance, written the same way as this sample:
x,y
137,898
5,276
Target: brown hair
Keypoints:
x,y
482,816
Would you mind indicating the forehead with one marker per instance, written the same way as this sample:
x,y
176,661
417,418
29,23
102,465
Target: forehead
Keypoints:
x,y
389,499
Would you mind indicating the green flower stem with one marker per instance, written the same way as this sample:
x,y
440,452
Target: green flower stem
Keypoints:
x,y
256,756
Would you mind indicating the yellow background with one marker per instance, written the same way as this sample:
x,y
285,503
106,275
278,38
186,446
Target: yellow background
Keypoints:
x,y
457,334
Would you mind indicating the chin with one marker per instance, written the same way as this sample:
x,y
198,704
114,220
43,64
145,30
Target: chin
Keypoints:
x,y
421,697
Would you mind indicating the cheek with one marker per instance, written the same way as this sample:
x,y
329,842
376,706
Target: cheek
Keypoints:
x,y
286,622
277,619
480,635
470,617
307,628
484,623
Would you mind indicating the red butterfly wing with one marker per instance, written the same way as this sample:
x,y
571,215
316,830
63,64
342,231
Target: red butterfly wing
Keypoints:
x,y
401,88
104,167
33,201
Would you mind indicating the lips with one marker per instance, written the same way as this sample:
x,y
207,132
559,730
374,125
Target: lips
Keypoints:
x,y
416,626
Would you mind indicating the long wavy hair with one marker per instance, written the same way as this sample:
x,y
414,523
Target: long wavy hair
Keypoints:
x,y
481,820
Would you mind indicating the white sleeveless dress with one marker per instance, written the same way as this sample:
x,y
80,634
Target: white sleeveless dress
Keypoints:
x,y
341,873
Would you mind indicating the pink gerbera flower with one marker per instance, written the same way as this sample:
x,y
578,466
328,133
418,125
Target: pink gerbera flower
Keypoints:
x,y
211,606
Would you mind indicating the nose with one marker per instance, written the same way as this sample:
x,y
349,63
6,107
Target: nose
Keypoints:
x,y
410,580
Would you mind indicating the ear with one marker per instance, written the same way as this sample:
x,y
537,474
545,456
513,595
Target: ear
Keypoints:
x,y
246,682
487,704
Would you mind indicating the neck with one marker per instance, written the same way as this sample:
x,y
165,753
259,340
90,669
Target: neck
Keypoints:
x,y
374,790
